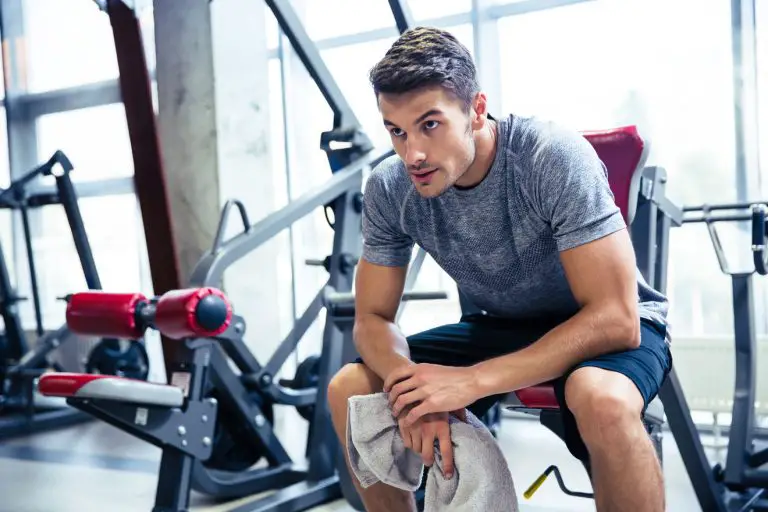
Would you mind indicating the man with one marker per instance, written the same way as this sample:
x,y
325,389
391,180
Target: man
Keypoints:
x,y
519,213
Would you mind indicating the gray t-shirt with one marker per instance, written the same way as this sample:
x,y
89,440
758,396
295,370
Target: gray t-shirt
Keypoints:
x,y
546,192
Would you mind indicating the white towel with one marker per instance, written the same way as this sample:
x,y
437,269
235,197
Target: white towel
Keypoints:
x,y
481,479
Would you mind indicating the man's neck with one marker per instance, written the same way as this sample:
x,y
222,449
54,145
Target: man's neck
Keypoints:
x,y
485,154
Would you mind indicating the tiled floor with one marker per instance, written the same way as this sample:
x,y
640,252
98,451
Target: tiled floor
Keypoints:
x,y
94,467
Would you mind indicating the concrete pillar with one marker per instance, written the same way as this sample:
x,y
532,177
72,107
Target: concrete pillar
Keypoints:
x,y
187,124
213,104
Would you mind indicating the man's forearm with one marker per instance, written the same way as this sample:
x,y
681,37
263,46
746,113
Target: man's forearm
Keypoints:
x,y
380,344
588,334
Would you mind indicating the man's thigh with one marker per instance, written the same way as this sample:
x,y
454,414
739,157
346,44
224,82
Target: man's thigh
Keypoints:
x,y
646,367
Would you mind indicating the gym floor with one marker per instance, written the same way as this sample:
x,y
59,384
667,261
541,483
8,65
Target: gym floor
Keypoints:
x,y
94,467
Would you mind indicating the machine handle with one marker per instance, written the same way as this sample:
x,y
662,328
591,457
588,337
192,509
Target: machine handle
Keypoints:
x,y
346,298
758,239
219,240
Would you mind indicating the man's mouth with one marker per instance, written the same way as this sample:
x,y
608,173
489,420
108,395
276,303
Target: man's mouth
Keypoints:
x,y
423,176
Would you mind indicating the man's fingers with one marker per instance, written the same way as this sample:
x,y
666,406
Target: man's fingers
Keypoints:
x,y
407,399
417,412
446,449
428,446
398,389
416,439
398,374
406,435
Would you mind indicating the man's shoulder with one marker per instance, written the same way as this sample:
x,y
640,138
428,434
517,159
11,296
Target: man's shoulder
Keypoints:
x,y
388,179
533,138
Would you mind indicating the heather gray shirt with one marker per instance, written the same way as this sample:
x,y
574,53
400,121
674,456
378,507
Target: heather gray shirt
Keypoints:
x,y
546,192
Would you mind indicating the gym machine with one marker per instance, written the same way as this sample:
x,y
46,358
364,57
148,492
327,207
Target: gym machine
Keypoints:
x,y
214,423
741,483
21,364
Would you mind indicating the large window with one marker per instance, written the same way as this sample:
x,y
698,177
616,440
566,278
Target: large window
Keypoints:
x,y
69,43
94,139
593,65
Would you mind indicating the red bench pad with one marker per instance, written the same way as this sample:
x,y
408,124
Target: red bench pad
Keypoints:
x,y
541,396
109,387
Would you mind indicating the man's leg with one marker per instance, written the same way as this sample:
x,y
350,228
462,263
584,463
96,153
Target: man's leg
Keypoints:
x,y
357,379
606,398
471,340
626,473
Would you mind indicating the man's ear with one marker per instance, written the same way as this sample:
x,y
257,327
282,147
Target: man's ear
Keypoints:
x,y
479,111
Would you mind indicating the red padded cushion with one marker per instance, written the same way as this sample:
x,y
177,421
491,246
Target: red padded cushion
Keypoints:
x,y
541,396
65,384
98,313
622,152
176,313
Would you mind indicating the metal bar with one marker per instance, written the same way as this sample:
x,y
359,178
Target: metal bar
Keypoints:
x,y
112,186
337,344
149,178
68,199
15,345
708,491
742,422
402,13
717,218
529,6
24,211
210,269
643,233
289,22
72,98
288,345
722,206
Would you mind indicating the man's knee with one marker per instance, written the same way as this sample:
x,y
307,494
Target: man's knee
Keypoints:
x,y
604,403
353,379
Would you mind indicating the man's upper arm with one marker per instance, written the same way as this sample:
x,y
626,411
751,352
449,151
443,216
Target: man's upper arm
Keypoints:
x,y
386,251
573,194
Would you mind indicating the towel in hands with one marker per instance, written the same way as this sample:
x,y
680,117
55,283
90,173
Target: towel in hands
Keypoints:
x,y
481,479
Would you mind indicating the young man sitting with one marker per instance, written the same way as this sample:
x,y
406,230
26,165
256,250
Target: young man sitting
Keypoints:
x,y
519,213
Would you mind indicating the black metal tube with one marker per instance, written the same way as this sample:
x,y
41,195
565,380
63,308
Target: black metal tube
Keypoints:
x,y
32,270
68,199
15,340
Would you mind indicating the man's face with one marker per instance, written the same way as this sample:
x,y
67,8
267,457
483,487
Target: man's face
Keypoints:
x,y
432,134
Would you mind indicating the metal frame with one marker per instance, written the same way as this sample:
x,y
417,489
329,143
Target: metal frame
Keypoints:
x,y
17,381
207,362
739,485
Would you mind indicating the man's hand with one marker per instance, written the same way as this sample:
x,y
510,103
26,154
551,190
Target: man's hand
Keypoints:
x,y
429,388
421,435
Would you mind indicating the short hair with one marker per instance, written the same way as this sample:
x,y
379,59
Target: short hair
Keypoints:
x,y
424,57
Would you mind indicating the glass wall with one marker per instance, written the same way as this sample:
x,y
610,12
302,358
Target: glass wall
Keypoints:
x,y
677,90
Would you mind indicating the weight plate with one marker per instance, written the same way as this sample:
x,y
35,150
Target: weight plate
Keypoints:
x,y
235,448
111,357
307,376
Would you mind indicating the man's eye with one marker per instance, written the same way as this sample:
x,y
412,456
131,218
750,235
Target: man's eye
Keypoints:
x,y
397,132
431,125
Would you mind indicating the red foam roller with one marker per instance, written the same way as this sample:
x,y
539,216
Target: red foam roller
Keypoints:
x,y
97,313
178,313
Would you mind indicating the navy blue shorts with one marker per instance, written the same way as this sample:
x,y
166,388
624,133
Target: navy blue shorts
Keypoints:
x,y
479,337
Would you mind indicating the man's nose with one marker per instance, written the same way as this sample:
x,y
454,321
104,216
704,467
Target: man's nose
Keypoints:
x,y
415,155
